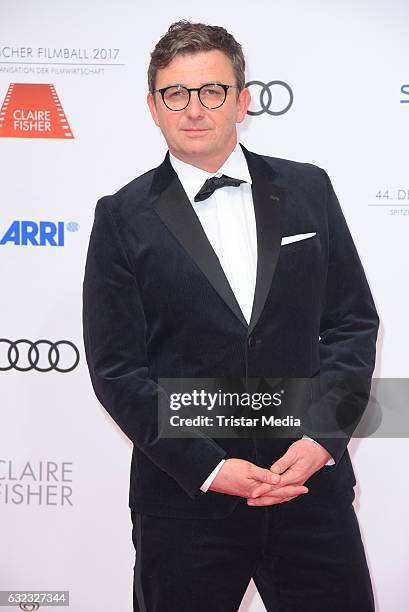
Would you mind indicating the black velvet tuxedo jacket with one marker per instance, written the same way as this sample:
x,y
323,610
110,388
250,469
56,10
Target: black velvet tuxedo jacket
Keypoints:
x,y
157,304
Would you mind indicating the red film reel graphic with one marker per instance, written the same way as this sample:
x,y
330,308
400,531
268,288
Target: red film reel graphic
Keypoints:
x,y
33,110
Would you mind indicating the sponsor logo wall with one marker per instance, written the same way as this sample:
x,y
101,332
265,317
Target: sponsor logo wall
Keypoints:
x,y
74,126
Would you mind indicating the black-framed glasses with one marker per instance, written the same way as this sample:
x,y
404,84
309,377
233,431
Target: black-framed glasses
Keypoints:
x,y
211,95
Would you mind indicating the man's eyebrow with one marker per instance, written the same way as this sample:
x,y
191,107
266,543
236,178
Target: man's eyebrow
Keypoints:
x,y
210,82
174,85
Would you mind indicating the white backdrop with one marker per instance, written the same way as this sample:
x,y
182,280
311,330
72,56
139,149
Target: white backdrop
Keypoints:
x,y
347,65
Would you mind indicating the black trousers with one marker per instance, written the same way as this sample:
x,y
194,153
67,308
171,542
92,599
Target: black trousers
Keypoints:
x,y
305,555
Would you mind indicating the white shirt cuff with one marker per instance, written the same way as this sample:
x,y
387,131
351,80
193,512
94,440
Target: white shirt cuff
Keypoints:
x,y
331,460
211,477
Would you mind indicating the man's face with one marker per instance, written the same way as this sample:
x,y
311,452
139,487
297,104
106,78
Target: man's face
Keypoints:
x,y
198,135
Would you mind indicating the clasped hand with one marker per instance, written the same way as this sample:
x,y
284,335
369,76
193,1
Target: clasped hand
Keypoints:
x,y
283,481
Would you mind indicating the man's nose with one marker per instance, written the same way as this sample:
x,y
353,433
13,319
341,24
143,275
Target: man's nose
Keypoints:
x,y
195,108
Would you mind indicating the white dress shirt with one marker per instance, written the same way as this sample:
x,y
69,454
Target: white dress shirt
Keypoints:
x,y
229,222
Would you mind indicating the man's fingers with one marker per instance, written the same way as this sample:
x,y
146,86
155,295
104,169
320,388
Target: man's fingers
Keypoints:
x,y
282,492
293,476
282,464
266,488
271,501
263,489
278,495
263,475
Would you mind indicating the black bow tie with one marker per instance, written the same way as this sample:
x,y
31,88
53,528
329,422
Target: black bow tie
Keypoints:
x,y
214,183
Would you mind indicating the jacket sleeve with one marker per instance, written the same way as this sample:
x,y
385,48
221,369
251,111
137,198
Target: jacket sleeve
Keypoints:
x,y
114,329
348,331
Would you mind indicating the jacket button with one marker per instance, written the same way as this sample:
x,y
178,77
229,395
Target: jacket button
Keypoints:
x,y
252,342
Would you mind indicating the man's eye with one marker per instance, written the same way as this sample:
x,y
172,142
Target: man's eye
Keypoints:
x,y
177,93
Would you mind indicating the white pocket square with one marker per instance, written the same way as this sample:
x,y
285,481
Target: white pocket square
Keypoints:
x,y
296,237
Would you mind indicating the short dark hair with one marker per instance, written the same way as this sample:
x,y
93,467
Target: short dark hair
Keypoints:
x,y
185,38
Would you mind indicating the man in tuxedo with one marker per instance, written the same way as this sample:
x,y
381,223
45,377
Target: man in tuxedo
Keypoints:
x,y
222,263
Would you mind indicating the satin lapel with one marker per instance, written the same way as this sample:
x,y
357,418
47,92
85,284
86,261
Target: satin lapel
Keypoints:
x,y
172,205
268,200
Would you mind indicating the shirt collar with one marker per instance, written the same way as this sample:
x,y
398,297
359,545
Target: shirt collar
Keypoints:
x,y
192,178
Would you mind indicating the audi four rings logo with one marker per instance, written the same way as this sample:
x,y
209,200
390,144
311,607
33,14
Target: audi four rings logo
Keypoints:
x,y
275,97
42,355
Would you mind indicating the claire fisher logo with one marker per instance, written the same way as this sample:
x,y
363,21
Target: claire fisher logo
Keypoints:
x,y
36,483
274,98
33,110
43,356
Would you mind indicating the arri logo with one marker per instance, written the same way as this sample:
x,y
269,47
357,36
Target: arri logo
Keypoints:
x,y
33,110
43,233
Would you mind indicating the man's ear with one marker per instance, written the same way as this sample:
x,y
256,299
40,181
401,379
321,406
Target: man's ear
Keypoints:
x,y
152,107
243,104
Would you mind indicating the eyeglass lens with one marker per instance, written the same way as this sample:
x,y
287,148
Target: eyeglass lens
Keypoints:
x,y
211,96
